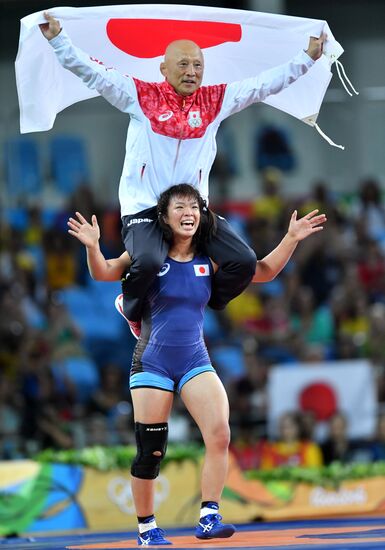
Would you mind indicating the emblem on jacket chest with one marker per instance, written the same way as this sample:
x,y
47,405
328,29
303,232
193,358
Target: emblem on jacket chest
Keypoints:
x,y
165,116
194,119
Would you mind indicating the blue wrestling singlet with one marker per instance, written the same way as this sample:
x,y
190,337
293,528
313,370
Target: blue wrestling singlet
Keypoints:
x,y
171,349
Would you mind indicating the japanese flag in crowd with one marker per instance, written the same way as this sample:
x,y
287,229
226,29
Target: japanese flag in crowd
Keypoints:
x,y
325,388
236,44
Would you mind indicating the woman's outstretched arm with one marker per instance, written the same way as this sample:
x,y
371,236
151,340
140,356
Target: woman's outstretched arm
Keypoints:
x,y
89,234
272,264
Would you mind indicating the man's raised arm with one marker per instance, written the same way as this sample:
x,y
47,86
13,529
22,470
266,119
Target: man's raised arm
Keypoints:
x,y
242,93
117,89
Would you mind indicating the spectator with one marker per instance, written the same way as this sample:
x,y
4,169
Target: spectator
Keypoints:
x,y
290,449
369,211
378,444
112,400
353,322
9,420
48,410
315,324
247,447
337,446
375,346
270,205
371,271
60,259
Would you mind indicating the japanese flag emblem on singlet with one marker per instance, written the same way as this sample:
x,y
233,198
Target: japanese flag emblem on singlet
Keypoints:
x,y
202,270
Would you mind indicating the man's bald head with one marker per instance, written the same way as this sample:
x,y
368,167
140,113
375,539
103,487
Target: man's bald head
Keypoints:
x,y
183,66
182,46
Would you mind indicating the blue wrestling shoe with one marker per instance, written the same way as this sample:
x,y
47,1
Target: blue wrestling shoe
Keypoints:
x,y
211,527
153,537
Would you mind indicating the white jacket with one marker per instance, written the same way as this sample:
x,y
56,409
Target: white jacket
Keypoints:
x,y
170,138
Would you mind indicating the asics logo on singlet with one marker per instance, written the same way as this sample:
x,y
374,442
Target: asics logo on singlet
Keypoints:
x,y
165,116
164,270
138,220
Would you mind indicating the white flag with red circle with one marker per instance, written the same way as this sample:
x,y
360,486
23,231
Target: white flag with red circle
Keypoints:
x,y
236,43
325,388
202,270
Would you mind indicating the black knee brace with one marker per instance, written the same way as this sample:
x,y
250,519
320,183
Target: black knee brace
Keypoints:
x,y
150,439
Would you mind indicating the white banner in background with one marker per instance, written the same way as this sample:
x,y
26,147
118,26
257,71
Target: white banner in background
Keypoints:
x,y
236,43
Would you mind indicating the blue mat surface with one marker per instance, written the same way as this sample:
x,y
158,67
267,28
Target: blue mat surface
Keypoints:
x,y
326,534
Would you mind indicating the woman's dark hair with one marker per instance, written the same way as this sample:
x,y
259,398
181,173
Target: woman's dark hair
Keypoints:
x,y
208,224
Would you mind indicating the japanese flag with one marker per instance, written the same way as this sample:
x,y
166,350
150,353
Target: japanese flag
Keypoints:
x,y
202,270
237,44
325,388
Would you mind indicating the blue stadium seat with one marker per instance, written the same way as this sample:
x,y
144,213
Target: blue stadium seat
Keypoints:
x,y
82,371
274,147
17,218
104,295
82,309
211,327
69,163
229,361
22,167
93,309
106,334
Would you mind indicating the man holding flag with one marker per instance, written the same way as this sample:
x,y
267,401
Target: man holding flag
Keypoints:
x,y
171,139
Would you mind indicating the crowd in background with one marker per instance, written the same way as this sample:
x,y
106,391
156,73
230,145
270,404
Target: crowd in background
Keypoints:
x,y
65,384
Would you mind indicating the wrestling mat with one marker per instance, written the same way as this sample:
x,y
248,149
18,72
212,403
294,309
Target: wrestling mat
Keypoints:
x,y
332,534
